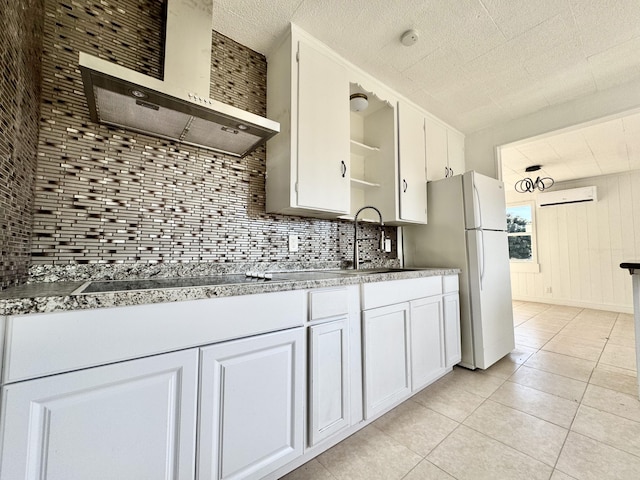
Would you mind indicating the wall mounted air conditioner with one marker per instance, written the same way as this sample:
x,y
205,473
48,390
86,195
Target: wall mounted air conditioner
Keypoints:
x,y
563,197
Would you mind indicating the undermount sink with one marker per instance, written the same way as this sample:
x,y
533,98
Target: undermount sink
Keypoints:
x,y
366,271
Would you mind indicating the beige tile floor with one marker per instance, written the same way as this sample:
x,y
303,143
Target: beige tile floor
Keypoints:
x,y
563,405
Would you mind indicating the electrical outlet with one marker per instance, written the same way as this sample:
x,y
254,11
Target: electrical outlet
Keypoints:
x,y
548,290
293,243
387,245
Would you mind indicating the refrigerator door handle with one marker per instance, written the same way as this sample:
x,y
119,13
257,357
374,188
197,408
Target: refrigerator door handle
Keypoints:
x,y
481,258
477,205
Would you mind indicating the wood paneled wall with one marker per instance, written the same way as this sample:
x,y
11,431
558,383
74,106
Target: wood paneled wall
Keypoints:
x,y
581,246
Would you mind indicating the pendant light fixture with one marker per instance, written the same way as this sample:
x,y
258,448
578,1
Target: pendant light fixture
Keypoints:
x,y
528,185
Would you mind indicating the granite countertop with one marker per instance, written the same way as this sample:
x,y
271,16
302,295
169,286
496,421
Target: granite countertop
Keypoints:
x,y
61,295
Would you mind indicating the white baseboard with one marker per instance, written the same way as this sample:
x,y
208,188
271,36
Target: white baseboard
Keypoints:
x,y
573,303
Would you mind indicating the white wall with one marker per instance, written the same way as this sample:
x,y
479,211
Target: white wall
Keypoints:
x,y
580,247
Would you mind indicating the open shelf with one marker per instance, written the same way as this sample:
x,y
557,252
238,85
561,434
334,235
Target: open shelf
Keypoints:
x,y
358,148
360,220
372,134
356,182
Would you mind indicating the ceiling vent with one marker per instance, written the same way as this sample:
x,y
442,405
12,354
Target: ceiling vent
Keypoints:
x,y
564,197
177,108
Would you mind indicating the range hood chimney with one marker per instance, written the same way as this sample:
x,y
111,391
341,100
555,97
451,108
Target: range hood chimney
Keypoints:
x,y
177,108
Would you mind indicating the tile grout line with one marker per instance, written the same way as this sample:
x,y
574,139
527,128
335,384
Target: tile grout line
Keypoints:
x,y
555,465
511,447
460,423
588,383
463,385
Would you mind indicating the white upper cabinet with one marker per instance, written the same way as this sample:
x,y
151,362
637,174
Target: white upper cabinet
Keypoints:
x,y
323,123
437,164
445,150
308,162
412,164
455,152
328,161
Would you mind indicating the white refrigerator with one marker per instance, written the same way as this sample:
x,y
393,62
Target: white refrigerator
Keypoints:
x,y
467,229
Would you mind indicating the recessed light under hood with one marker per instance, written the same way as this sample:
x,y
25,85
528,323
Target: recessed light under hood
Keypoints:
x,y
176,108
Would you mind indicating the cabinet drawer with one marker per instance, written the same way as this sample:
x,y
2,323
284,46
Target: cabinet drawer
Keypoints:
x,y
450,283
328,303
49,343
379,294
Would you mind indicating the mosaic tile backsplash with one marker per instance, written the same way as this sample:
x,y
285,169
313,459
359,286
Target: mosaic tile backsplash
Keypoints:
x,y
20,51
105,195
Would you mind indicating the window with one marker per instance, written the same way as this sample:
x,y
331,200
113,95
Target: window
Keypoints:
x,y
521,233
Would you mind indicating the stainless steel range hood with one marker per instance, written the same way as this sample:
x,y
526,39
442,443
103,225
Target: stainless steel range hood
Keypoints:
x,y
176,108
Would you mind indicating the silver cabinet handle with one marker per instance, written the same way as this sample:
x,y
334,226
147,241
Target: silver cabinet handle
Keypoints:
x,y
405,185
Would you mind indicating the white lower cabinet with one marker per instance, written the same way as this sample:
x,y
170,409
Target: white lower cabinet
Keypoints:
x,y
329,399
251,406
451,308
427,341
131,420
411,337
453,351
387,374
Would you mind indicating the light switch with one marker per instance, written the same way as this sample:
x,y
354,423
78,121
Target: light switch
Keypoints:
x,y
387,244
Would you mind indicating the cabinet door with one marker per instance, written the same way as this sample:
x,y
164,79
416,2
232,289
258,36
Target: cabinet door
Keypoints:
x,y
436,135
131,420
251,413
452,329
386,357
427,341
455,153
328,380
323,132
412,161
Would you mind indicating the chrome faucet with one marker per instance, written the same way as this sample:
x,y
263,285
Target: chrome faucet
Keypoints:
x,y
356,257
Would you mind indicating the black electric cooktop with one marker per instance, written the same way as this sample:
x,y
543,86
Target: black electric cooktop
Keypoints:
x,y
154,283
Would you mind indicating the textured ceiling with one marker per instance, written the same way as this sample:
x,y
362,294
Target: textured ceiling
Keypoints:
x,y
478,63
